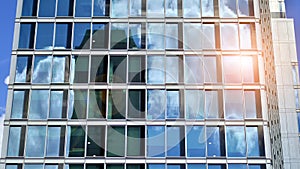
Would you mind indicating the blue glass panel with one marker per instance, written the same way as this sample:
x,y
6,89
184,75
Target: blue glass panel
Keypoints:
x,y
33,166
44,38
63,35
156,70
116,6
39,104
35,141
196,166
155,36
171,8
213,141
155,8
244,8
65,8
175,141
83,8
207,8
14,140
236,143
42,69
18,104
193,69
256,166
155,166
171,34
177,166
217,166
81,37
56,104
194,104
135,36
11,167
29,7
228,9
47,8
51,166
53,142
26,39
135,7
252,141
191,8
173,104
23,68
156,104
237,166
156,141
196,142
298,114
58,69
234,104
173,69
101,7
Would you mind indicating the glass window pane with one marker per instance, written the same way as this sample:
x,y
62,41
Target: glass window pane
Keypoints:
x,y
97,104
194,69
196,142
210,69
208,40
233,104
14,141
76,141
116,6
216,166
47,8
79,104
207,8
96,141
177,166
42,69
215,141
298,114
175,141
118,35
174,104
136,104
232,75
247,66
253,144
58,69
211,104
156,104
155,35
245,36
98,69
171,8
155,9
23,69
236,143
115,166
56,104
51,167
12,166
136,36
244,7
74,166
44,37
39,104
229,36
256,166
115,141
156,141
18,104
155,166
65,8
35,141
237,166
228,9
79,69
81,37
135,141
155,69
250,104
118,69
101,7
29,7
100,36
63,34
136,69
94,166
33,166
83,8
135,166
173,69
117,104
54,137
194,104
196,166
191,8
26,37
192,33
135,7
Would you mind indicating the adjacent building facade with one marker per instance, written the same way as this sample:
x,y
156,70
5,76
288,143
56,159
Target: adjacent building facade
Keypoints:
x,y
156,84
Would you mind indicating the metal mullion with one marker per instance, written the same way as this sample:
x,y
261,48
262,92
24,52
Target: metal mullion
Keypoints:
x,y
56,8
37,7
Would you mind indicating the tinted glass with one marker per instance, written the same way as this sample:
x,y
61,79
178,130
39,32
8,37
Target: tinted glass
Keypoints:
x,y
56,104
65,8
173,69
39,104
245,8
35,141
228,9
76,141
79,69
116,6
83,8
136,7
58,69
136,36
155,166
215,142
81,37
18,104
229,36
136,69
210,69
100,35
79,104
208,40
156,69
233,104
250,104
232,75
33,166
196,166
136,104
26,38
23,69
101,7
253,142
94,166
192,33
118,37
116,104
155,35
53,141
97,104
207,8
14,140
196,142
118,67
236,143
12,166
44,37
42,69
156,141
175,141
171,34
63,34
29,8
115,141
98,69
156,104
194,104
245,36
191,8
47,8
211,104
155,8
171,8
237,166
96,141
173,104
115,166
194,69
135,141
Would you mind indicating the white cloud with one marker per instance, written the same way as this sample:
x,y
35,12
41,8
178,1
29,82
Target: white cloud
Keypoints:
x,y
6,81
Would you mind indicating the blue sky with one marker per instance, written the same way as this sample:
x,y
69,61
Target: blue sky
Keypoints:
x,y
7,14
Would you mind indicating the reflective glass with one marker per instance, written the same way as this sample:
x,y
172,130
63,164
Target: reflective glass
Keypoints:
x,y
196,142
298,114
116,104
228,9
42,69
136,69
233,104
58,69
171,8
177,166
175,141
173,69
250,104
79,104
75,141
74,166
136,104
116,6
33,166
100,36
44,37
47,8
191,8
65,8
247,67
236,143
211,104
63,34
245,36
51,167
173,104
14,141
237,166
155,35
156,104
135,166
115,141
101,7
18,104
26,37
215,141
23,69
29,7
155,8
35,141
135,141
115,166
39,104
216,166
194,69
136,7
155,166
56,104
53,142
98,69
81,37
210,69
229,36
232,69
156,70
136,38
194,104
191,35
252,136
256,166
207,8
244,7
208,38
97,104
118,69
94,166
95,141
12,166
118,36
83,8
79,69
196,166
156,141
172,37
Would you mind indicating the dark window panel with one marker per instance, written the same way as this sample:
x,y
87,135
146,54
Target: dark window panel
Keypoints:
x,y
44,38
79,104
136,69
63,34
80,69
101,7
118,69
100,35
47,8
115,141
99,69
96,141
74,166
118,36
135,141
136,104
114,166
117,104
94,166
135,166
81,37
26,37
76,139
97,104
65,7
83,8
23,69
29,8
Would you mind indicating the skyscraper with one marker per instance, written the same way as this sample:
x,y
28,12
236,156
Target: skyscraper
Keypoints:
x,y
135,84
